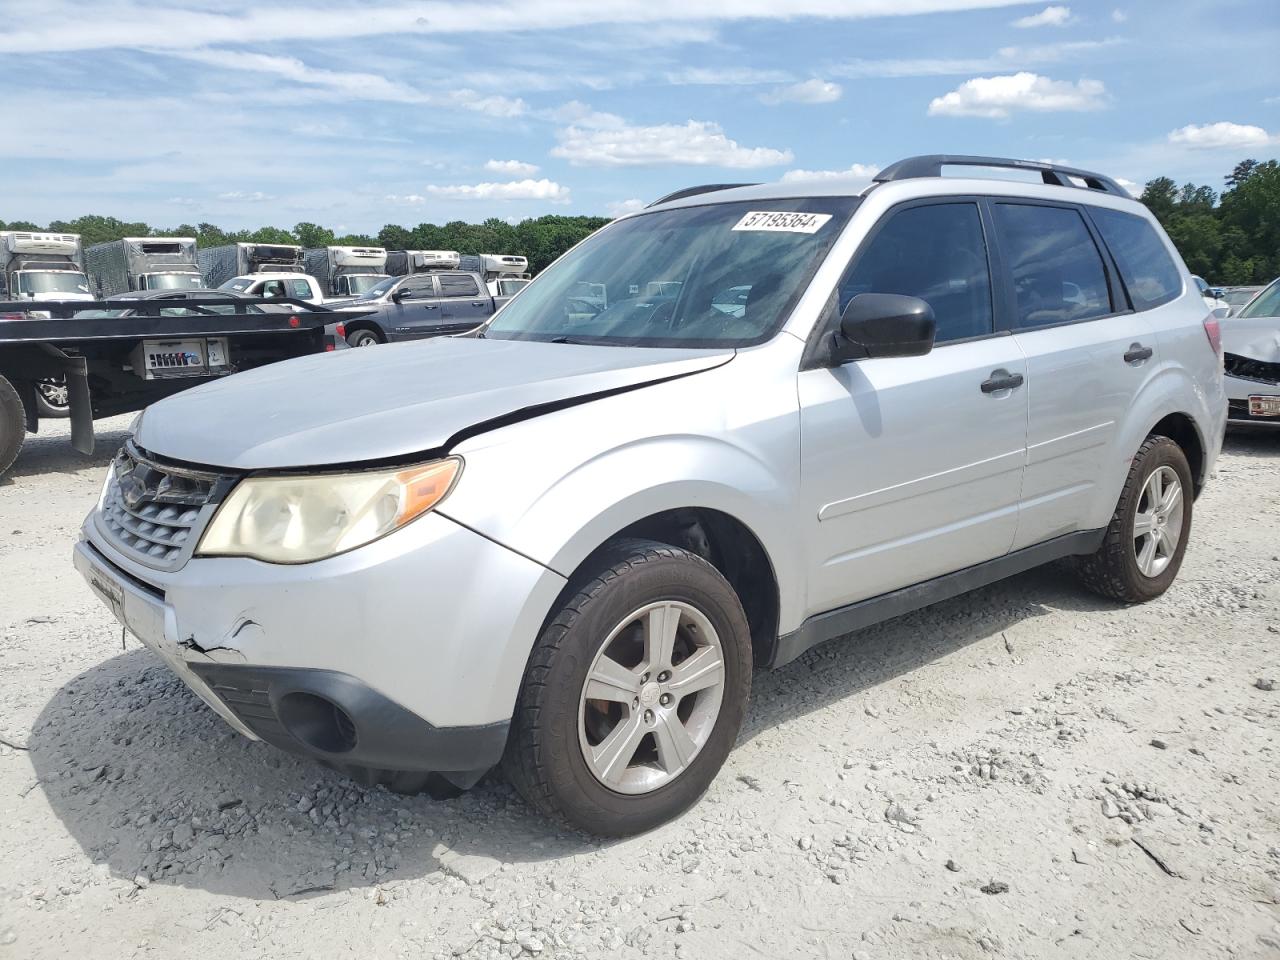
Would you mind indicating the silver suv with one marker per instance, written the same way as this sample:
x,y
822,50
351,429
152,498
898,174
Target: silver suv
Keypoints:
x,y
563,543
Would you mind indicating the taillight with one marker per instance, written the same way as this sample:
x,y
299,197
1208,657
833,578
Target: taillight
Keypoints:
x,y
1213,330
295,322
342,330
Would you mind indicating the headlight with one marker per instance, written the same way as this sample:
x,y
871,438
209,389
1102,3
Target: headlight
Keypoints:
x,y
290,519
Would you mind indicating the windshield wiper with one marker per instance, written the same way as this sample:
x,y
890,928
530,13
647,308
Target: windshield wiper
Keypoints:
x,y
572,340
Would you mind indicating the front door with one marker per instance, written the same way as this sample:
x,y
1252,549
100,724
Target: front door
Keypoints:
x,y
911,467
414,311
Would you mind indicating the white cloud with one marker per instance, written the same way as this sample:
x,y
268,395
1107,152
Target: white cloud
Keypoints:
x,y
1051,16
1135,189
1006,58
353,85
620,208
807,91
514,168
63,25
1118,16
544,190
414,199
857,173
256,196
1222,134
726,76
606,140
998,97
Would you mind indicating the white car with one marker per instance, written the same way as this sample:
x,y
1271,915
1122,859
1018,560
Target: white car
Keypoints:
x,y
1251,360
269,286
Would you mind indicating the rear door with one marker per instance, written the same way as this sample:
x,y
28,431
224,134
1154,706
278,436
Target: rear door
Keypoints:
x,y
464,304
911,467
1087,352
417,312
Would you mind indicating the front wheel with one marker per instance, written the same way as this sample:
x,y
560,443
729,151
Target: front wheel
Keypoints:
x,y
363,338
1147,536
634,692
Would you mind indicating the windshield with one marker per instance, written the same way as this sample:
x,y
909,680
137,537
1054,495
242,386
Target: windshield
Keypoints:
x,y
238,284
173,281
665,276
379,288
52,282
1265,304
363,283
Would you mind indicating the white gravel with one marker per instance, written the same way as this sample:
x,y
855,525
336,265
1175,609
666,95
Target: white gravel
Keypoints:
x,y
1028,771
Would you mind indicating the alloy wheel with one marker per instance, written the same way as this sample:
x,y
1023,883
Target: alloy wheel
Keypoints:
x,y
1157,524
651,697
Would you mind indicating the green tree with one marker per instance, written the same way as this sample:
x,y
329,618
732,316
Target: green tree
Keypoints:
x,y
311,235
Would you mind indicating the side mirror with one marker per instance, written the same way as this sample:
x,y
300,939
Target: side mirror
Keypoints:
x,y
1215,292
402,294
885,325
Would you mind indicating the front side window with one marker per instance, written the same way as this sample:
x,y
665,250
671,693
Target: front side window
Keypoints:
x,y
1265,304
1148,272
1058,276
457,285
300,289
654,280
935,252
419,288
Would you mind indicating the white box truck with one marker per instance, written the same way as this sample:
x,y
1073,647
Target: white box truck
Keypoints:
x,y
401,263
42,266
346,271
143,263
220,264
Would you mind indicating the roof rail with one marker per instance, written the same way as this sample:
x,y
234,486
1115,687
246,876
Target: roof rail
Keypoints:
x,y
694,191
1051,173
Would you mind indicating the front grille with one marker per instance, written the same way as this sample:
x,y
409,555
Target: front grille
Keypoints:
x,y
1247,368
154,512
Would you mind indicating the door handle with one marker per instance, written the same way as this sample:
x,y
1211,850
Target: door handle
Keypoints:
x,y
477,303
1001,380
430,306
1137,353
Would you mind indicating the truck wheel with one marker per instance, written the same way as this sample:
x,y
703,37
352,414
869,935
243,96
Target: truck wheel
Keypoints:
x,y
1147,537
634,692
53,400
13,425
363,338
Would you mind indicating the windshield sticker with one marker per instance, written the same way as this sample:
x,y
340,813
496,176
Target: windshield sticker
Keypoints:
x,y
777,221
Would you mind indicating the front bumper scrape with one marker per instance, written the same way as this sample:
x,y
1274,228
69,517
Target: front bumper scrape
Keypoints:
x,y
342,722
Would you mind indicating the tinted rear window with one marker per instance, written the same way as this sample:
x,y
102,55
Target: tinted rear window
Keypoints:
x,y
454,285
1148,272
1058,276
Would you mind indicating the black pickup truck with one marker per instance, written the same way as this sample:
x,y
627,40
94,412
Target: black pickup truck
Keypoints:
x,y
115,361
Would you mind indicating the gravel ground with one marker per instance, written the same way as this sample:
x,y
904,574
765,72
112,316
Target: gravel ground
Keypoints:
x,y
1028,771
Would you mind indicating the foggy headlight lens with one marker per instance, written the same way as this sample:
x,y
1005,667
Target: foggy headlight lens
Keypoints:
x,y
300,519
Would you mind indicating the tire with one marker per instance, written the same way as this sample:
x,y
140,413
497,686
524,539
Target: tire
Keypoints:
x,y
629,586
364,338
13,425
1116,569
52,399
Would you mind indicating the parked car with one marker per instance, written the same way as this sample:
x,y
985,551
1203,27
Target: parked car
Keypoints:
x,y
1237,297
1212,296
1251,359
564,542
269,286
421,305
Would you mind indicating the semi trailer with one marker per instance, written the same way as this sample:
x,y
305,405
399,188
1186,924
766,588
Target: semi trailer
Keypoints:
x,y
220,264
401,263
143,263
346,271
42,266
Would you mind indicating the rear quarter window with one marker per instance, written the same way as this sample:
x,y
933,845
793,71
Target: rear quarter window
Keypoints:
x,y
1148,272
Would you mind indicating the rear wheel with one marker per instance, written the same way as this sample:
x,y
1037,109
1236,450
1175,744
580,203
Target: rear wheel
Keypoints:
x,y
13,424
363,338
634,693
53,399
1147,536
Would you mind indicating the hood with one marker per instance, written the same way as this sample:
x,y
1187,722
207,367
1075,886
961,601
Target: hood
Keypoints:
x,y
1257,338
393,400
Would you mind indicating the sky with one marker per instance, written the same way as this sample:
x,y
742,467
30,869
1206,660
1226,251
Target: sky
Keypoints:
x,y
355,115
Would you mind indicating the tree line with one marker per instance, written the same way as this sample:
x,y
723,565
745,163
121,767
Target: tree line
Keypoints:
x,y
541,239
1229,238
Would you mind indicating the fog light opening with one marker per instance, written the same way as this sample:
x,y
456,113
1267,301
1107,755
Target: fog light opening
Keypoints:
x,y
319,723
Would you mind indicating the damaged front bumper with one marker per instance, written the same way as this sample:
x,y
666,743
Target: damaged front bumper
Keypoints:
x,y
403,655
